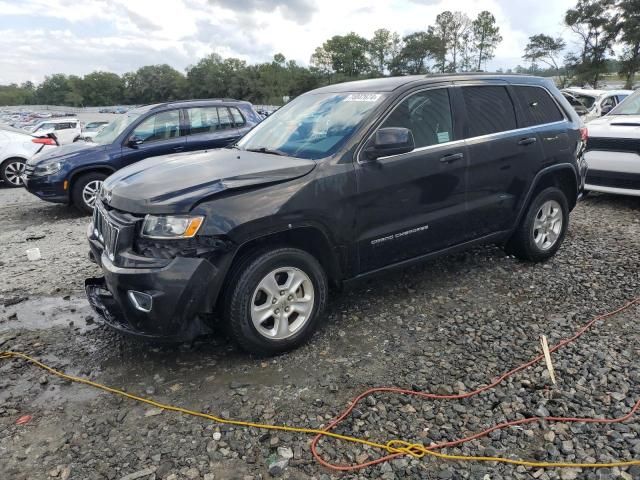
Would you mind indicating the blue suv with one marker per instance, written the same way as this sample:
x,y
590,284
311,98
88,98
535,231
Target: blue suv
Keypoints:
x,y
73,174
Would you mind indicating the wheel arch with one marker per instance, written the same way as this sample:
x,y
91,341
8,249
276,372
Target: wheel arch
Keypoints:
x,y
73,178
310,238
562,176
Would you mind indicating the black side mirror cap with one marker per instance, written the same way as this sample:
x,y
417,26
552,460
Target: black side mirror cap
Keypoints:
x,y
135,141
390,141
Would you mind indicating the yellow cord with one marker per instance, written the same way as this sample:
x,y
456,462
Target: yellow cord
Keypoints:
x,y
415,450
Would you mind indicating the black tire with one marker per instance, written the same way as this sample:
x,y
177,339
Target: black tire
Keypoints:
x,y
243,283
522,243
7,172
78,187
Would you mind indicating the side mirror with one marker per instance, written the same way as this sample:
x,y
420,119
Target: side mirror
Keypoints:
x,y
135,141
390,141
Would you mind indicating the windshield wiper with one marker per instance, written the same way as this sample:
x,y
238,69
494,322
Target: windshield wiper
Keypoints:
x,y
267,151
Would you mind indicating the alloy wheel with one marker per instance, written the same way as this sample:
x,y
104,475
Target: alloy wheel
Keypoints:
x,y
547,226
90,192
14,173
282,303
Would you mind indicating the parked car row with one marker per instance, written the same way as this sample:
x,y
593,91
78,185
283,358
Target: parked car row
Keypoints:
x,y
341,183
74,173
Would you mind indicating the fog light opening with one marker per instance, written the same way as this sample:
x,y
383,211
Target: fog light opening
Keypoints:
x,y
141,301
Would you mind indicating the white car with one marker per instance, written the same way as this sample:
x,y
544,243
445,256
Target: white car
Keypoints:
x,y
597,102
91,129
67,130
16,147
613,150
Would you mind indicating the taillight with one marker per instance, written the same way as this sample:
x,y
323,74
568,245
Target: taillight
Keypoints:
x,y
584,134
44,141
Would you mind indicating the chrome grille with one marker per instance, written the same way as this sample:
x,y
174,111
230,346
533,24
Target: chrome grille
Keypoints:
x,y
105,231
28,170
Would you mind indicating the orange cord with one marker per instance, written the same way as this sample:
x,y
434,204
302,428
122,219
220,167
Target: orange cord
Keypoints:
x,y
419,450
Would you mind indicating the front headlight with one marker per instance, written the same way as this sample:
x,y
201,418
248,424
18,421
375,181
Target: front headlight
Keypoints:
x,y
171,226
47,169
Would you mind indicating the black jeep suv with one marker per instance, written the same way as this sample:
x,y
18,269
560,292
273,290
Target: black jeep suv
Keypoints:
x,y
341,183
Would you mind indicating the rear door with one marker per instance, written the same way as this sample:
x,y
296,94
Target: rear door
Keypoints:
x,y
414,203
210,127
543,115
503,157
161,134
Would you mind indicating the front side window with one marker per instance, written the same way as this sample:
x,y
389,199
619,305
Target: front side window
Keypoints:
x,y
312,126
538,106
630,106
489,110
608,103
159,127
427,114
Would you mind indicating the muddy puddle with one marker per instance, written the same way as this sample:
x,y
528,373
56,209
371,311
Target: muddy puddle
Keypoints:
x,y
41,313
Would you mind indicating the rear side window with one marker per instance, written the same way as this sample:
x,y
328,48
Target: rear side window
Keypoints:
x,y
489,110
538,105
203,120
225,118
238,119
427,114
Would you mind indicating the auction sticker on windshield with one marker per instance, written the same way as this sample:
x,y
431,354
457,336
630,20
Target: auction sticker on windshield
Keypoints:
x,y
363,97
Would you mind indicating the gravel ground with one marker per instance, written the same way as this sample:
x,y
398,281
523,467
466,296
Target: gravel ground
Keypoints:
x,y
446,326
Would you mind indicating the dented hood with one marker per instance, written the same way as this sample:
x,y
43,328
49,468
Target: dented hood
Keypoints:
x,y
175,183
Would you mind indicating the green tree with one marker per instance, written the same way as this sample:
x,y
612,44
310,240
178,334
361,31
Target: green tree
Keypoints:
x,y
630,39
381,49
54,90
548,50
596,23
486,34
443,34
417,49
348,54
102,88
153,84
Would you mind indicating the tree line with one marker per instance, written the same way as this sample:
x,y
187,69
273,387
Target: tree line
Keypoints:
x,y
598,26
454,43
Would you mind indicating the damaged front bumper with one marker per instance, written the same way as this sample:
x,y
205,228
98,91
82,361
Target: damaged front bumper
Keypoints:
x,y
166,303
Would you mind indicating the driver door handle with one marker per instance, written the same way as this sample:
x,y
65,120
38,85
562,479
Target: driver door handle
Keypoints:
x,y
452,157
527,141
178,149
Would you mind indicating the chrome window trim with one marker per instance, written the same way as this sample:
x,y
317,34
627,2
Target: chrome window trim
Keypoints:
x,y
453,142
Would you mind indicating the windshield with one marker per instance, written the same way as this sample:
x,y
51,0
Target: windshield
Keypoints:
x,y
629,106
312,126
109,133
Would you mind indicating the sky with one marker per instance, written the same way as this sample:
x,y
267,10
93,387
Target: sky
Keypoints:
x,y
42,37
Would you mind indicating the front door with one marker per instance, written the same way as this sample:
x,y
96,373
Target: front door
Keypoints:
x,y
413,203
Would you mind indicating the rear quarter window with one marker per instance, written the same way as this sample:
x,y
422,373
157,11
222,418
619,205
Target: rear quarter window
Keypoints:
x,y
538,106
489,110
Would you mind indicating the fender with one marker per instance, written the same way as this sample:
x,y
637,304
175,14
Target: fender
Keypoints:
x,y
534,184
90,168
